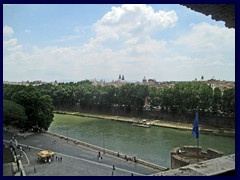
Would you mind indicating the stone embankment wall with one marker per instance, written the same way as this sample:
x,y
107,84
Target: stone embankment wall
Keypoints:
x,y
191,154
211,120
107,151
17,166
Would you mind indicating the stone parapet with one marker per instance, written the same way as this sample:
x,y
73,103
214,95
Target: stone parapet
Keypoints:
x,y
191,154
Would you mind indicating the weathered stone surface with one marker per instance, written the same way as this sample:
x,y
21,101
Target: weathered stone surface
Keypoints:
x,y
210,167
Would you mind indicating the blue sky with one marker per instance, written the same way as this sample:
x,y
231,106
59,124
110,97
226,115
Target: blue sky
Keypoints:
x,y
78,42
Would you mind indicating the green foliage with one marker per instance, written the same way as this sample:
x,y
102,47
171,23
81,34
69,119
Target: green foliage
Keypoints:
x,y
13,113
38,107
45,111
183,97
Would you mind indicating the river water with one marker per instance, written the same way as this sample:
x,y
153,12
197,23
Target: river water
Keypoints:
x,y
151,144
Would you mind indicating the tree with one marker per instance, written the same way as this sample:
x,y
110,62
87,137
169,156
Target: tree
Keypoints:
x,y
45,111
38,108
217,100
28,98
228,101
14,114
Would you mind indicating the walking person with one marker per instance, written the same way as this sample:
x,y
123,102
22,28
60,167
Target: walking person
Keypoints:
x,y
99,159
112,173
34,169
114,167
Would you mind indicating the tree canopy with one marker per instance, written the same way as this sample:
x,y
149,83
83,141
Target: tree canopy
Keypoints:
x,y
183,97
38,107
14,114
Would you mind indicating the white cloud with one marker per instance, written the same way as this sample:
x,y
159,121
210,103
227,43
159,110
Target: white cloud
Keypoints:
x,y
207,38
27,31
68,38
151,46
7,31
133,20
11,45
123,45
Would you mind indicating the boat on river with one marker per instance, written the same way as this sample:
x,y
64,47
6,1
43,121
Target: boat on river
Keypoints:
x,y
142,123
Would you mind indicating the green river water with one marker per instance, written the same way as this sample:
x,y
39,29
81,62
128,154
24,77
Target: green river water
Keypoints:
x,y
151,144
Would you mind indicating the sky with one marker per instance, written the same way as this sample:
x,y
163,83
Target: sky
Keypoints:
x,y
75,42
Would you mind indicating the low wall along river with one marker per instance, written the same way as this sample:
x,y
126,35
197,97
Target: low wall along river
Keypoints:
x,y
149,144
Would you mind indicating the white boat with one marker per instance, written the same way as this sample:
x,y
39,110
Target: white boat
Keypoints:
x,y
144,124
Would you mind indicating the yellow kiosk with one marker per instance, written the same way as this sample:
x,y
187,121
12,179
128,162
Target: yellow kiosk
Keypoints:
x,y
46,155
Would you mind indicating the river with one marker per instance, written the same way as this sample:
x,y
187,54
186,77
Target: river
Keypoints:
x,y
151,144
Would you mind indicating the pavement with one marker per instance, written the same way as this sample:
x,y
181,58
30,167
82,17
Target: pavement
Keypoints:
x,y
76,160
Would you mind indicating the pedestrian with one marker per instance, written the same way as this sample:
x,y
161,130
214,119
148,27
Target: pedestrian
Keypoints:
x,y
135,159
56,158
114,167
34,169
112,173
118,154
99,154
18,164
131,174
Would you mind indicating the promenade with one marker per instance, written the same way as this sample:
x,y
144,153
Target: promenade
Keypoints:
x,y
76,160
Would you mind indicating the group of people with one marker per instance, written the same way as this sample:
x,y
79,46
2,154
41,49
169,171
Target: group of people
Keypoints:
x,y
58,158
134,159
113,167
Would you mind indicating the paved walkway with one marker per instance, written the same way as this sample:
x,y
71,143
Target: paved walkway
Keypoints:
x,y
76,160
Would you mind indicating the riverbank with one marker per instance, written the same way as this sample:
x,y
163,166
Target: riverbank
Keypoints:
x,y
159,123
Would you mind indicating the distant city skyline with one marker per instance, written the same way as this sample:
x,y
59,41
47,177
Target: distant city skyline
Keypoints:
x,y
71,43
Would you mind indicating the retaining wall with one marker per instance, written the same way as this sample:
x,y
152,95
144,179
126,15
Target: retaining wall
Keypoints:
x,y
184,156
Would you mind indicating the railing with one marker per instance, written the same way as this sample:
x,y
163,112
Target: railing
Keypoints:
x,y
110,152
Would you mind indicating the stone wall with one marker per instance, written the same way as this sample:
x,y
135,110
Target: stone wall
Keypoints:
x,y
191,154
214,121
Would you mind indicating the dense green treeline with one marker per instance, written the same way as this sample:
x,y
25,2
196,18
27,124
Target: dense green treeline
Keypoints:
x,y
27,107
183,97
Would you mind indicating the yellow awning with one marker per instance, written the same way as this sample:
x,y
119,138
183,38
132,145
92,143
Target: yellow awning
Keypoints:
x,y
45,153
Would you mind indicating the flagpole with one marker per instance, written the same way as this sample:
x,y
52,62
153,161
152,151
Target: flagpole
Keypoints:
x,y
195,132
198,149
198,137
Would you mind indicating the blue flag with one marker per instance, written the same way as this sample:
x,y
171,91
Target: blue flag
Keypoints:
x,y
195,126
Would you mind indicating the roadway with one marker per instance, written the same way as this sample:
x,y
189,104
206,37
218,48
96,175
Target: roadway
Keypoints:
x,y
76,160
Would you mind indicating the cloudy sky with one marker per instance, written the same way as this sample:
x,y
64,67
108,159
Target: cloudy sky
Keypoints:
x,y
78,42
